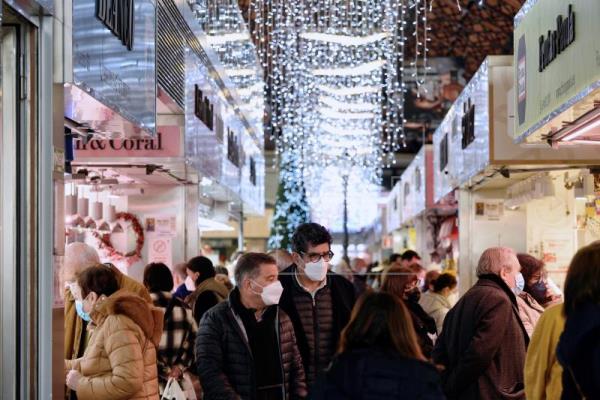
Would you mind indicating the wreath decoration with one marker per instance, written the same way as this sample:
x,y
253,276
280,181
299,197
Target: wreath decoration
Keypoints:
x,y
132,256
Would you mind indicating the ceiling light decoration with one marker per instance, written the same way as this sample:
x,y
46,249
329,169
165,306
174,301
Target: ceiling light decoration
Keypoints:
x,y
361,69
345,40
341,105
350,91
336,69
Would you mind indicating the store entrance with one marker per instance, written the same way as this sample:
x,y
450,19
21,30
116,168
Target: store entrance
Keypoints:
x,y
18,200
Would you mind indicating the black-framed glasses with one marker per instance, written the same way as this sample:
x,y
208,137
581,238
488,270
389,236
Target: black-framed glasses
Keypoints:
x,y
315,257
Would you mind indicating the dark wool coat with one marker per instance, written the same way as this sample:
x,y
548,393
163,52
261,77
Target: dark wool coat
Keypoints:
x,y
224,360
378,375
483,344
342,301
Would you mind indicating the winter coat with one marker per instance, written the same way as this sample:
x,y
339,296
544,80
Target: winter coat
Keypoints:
x,y
224,360
120,359
483,344
342,300
543,373
208,294
74,325
377,375
437,306
579,353
176,348
530,311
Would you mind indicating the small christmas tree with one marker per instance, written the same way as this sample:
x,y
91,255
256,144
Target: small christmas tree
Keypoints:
x,y
291,206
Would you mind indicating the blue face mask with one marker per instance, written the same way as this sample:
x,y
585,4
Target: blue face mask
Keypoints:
x,y
79,307
520,282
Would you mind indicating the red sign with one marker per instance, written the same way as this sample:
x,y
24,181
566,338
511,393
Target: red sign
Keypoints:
x,y
167,143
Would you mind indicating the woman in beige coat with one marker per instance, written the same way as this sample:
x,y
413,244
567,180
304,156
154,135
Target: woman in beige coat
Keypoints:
x,y
120,360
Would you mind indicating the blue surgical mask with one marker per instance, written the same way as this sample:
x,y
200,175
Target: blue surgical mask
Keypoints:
x,y
520,282
79,307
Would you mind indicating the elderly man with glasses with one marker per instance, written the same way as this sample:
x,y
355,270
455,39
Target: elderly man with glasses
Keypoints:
x,y
317,300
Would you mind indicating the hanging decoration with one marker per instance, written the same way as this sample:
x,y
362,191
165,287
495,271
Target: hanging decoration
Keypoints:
x,y
131,257
335,83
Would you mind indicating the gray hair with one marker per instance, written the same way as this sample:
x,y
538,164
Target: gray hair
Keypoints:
x,y
494,259
248,266
78,256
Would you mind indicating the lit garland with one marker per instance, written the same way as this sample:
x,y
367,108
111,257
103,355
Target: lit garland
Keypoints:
x,y
340,64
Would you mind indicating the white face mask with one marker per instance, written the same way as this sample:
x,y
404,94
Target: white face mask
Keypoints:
x,y
316,271
190,284
271,293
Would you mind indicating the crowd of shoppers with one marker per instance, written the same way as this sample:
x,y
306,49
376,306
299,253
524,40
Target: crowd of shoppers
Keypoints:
x,y
291,328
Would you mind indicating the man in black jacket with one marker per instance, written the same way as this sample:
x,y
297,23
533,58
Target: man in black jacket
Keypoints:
x,y
246,347
483,342
318,302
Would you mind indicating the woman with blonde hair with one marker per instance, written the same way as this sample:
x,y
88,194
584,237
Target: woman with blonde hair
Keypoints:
x,y
379,357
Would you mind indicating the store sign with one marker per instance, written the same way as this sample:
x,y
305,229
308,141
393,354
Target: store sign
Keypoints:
x,y
113,68
165,144
557,60
444,153
557,41
203,108
203,150
252,171
233,148
119,17
468,124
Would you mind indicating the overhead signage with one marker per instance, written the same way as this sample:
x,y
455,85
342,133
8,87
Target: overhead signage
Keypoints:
x,y
203,151
165,144
233,148
557,60
113,68
557,41
252,171
203,108
468,124
119,17
444,153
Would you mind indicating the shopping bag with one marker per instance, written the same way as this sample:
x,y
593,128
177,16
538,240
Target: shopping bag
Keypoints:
x,y
173,391
188,387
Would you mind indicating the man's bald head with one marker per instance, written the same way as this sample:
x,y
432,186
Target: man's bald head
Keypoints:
x,y
78,256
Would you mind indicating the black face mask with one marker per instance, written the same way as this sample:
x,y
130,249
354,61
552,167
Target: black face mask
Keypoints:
x,y
539,291
413,295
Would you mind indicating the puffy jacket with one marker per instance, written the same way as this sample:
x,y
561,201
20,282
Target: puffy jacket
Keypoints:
x,y
436,306
224,360
483,344
530,311
74,325
120,359
543,373
377,375
579,353
342,297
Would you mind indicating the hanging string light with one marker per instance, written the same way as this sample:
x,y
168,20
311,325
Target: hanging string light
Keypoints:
x,y
338,64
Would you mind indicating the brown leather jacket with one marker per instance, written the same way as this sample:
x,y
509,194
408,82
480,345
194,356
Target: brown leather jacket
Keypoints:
x,y
120,360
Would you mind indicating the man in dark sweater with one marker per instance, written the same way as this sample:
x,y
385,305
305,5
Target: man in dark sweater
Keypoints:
x,y
318,302
246,347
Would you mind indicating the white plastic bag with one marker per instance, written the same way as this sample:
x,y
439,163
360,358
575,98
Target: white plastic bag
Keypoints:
x,y
188,387
173,391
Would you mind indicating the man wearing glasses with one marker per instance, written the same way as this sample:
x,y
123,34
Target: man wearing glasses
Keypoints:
x,y
318,301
